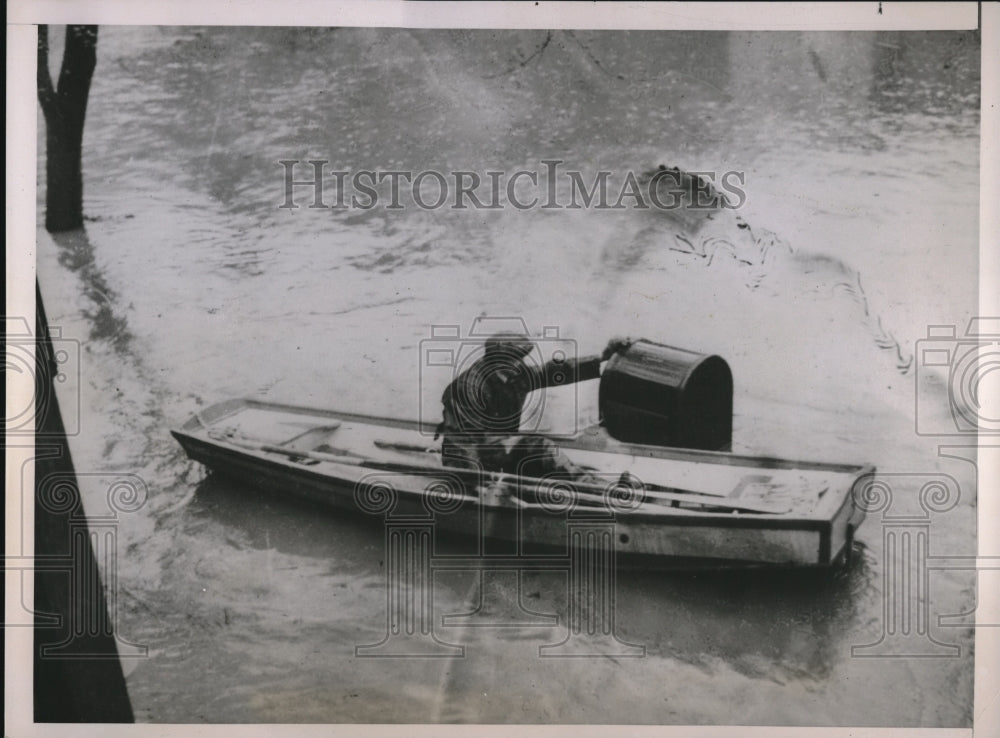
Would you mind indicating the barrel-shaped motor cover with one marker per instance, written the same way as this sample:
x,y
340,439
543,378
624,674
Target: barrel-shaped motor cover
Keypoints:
x,y
666,396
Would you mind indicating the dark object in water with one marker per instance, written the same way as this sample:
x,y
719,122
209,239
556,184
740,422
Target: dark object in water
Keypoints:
x,y
666,396
77,673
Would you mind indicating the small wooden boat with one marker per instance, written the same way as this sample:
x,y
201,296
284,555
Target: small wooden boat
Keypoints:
x,y
682,507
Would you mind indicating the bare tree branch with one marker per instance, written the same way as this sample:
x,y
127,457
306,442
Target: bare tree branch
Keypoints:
x,y
596,62
520,65
46,95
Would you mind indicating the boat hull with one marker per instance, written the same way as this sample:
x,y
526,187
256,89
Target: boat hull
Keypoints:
x,y
390,490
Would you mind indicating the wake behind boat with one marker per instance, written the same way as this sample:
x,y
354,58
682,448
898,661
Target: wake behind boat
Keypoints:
x,y
682,506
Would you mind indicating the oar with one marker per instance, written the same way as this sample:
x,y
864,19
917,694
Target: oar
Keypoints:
x,y
704,501
408,447
588,492
595,493
652,509
671,495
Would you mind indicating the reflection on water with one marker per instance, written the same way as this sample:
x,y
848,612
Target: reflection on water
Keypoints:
x,y
76,253
254,519
775,624
859,153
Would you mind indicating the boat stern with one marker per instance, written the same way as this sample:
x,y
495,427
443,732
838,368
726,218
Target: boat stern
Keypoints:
x,y
846,522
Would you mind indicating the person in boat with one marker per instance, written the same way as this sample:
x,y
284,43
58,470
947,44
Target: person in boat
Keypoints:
x,y
482,408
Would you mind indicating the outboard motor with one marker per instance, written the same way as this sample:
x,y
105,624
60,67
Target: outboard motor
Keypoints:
x,y
666,396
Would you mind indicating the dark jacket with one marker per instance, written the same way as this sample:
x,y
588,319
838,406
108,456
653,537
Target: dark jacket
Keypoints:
x,y
486,399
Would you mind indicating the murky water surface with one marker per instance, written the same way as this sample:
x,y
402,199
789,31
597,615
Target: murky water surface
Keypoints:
x,y
860,154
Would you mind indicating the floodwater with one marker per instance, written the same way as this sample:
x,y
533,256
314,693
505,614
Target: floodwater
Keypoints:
x,y
191,285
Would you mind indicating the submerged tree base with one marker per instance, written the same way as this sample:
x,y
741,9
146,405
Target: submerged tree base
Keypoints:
x,y
65,109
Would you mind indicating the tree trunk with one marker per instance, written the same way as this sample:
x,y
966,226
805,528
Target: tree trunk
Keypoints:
x,y
65,109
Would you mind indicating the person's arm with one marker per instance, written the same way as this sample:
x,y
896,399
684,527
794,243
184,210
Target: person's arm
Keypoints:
x,y
568,371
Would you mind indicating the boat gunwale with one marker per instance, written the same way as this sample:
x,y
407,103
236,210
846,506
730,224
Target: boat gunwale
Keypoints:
x,y
577,441
670,516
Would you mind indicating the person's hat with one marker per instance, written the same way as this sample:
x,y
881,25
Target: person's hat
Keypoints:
x,y
512,343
